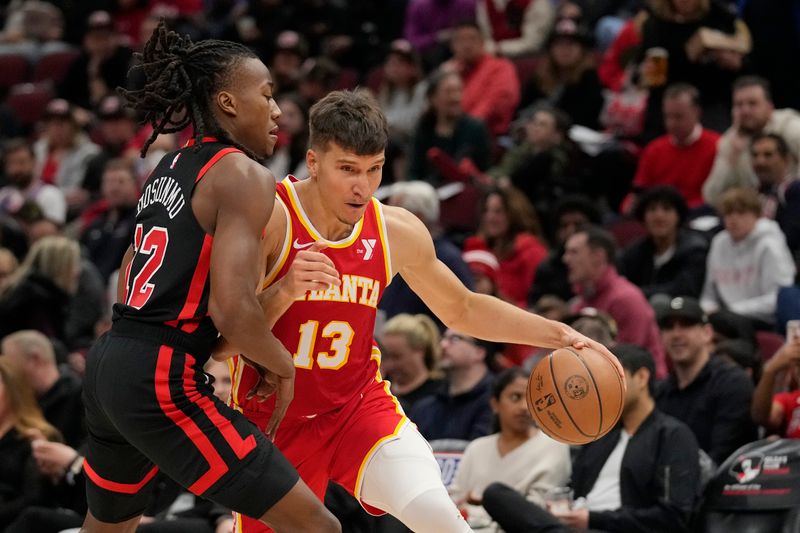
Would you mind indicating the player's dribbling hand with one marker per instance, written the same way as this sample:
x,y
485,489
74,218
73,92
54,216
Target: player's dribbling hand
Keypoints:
x,y
284,394
311,270
578,341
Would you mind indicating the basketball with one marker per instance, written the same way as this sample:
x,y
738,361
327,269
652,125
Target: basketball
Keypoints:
x,y
576,396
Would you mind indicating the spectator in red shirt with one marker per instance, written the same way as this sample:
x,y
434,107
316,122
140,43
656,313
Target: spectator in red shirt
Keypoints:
x,y
589,256
491,86
515,28
510,230
779,413
684,156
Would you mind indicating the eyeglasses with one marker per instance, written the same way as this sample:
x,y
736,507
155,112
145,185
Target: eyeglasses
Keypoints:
x,y
455,337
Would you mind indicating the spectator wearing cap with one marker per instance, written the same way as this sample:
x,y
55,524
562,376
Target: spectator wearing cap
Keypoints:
x,y
101,67
546,165
748,262
778,184
706,393
23,186
291,50
420,198
429,25
567,78
571,213
589,255
63,152
116,128
670,259
107,238
517,28
753,113
509,229
485,268
401,93
460,409
683,157
491,85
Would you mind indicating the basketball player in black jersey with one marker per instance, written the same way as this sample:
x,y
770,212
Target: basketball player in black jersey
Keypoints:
x,y
190,273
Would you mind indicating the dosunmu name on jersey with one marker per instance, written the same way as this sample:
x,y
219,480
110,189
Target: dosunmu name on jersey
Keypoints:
x,y
165,191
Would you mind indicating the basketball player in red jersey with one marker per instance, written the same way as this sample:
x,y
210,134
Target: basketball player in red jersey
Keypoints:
x,y
191,272
344,424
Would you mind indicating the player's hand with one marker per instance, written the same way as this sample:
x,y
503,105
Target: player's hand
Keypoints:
x,y
311,270
579,341
265,386
284,393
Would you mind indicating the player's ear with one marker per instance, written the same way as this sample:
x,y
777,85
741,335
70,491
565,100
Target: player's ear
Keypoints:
x,y
227,103
312,162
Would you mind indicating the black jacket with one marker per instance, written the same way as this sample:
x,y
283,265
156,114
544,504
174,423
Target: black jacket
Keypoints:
x,y
35,303
716,406
62,406
659,477
466,416
682,275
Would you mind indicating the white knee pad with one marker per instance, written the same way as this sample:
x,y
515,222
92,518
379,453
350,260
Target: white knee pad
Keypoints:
x,y
403,479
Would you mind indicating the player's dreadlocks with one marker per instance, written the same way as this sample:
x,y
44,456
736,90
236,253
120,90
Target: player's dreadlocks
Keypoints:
x,y
181,78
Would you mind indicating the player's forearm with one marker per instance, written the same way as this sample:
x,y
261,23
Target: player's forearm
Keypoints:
x,y
247,331
274,302
490,318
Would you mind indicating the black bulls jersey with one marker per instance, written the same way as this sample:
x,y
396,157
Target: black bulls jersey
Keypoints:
x,y
167,281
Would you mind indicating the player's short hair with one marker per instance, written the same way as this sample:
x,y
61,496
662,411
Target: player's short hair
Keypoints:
x,y
351,119
419,197
633,358
740,200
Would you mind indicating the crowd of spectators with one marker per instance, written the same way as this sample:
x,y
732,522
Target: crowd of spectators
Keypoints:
x,y
629,167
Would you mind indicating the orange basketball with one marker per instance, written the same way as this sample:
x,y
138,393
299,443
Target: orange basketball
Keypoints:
x,y
576,396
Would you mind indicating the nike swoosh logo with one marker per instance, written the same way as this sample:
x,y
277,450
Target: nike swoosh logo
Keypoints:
x,y
297,246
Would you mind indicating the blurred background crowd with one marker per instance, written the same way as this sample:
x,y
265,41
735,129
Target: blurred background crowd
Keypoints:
x,y
627,166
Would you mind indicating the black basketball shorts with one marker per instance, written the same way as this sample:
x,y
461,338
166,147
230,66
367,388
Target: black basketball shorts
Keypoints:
x,y
150,408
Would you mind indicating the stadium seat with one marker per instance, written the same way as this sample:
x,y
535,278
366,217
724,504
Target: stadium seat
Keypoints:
x,y
54,65
754,491
28,100
15,69
626,230
768,343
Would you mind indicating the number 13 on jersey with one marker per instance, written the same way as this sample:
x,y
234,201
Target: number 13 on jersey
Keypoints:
x,y
341,335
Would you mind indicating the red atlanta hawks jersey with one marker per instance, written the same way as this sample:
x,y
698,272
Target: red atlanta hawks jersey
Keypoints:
x,y
328,332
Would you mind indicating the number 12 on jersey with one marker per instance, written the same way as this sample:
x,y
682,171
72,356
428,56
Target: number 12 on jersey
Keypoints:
x,y
341,335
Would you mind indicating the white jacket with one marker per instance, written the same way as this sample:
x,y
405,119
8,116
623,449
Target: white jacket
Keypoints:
x,y
744,277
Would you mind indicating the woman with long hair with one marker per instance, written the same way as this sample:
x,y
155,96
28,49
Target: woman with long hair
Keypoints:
x,y
37,294
445,131
517,454
289,156
567,78
401,93
509,228
410,351
21,421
